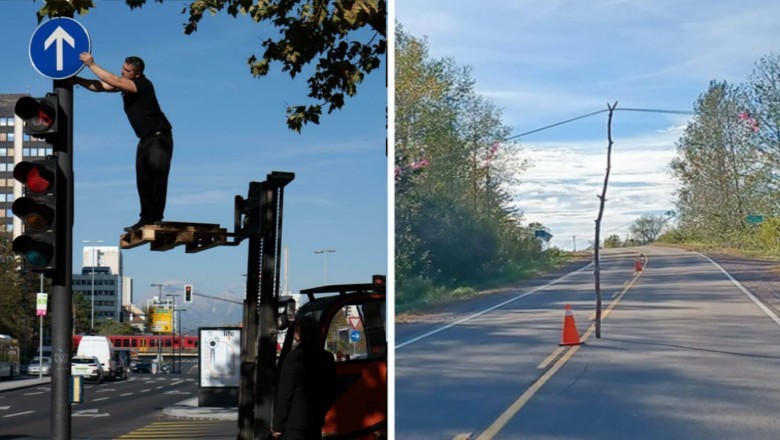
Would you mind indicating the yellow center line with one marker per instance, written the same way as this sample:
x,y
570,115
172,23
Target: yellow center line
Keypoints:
x,y
510,412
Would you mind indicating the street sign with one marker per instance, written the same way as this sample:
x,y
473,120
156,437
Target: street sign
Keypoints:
x,y
55,47
354,321
755,218
40,304
354,335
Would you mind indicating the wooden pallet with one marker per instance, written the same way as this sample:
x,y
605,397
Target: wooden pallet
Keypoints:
x,y
165,236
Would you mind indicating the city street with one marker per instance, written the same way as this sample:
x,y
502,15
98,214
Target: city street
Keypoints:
x,y
684,353
124,409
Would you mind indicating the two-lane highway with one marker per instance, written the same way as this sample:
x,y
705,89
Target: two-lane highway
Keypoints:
x,y
685,354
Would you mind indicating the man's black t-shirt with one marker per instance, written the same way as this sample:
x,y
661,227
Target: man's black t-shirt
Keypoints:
x,y
143,110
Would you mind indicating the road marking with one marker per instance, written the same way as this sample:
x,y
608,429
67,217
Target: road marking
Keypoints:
x,y
32,394
510,412
19,414
125,394
490,309
105,390
145,391
746,291
102,398
4,408
89,413
177,382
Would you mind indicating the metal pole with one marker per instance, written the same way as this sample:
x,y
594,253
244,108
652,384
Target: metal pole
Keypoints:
x,y
94,257
61,277
173,332
40,339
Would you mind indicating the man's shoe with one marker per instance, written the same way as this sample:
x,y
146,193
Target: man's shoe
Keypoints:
x,y
139,224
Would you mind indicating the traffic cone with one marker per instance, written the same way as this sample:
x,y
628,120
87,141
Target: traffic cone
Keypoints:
x,y
570,334
638,265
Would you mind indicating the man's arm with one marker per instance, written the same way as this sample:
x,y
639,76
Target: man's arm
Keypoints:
x,y
108,80
92,84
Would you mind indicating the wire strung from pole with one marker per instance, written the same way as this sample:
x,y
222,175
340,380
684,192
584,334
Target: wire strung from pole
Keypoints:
x,y
399,169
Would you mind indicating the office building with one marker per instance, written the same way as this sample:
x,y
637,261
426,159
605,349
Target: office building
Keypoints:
x,y
101,272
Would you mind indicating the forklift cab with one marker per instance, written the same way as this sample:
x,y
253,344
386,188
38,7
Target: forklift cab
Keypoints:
x,y
352,319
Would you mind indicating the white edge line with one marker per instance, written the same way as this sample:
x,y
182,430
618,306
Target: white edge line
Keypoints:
x,y
462,320
745,290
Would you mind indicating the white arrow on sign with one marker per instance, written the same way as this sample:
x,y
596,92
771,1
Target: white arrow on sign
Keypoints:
x,y
88,413
59,35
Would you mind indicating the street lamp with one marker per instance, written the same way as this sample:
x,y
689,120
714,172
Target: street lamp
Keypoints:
x,y
94,258
173,330
181,338
325,253
159,298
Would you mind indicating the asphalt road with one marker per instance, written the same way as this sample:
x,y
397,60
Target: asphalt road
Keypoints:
x,y
123,409
685,353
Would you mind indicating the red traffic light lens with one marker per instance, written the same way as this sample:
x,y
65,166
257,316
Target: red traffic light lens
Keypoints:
x,y
36,183
37,113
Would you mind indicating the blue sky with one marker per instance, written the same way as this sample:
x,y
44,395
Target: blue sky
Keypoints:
x,y
544,62
229,129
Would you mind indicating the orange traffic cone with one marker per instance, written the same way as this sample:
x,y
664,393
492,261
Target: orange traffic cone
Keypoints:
x,y
570,334
638,265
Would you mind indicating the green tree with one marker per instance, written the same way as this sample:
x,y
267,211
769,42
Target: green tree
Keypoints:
x,y
646,228
14,319
718,167
612,241
343,39
455,223
114,328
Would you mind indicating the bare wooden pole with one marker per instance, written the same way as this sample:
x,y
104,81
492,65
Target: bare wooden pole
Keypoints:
x,y
602,201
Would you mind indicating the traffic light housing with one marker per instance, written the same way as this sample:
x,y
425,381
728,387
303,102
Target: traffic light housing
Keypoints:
x,y
188,293
379,280
38,211
40,116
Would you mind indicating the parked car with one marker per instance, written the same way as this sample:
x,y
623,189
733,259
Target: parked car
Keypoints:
x,y
87,366
40,365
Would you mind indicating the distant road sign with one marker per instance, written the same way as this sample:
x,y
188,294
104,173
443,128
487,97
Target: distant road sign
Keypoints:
x,y
354,336
55,47
755,218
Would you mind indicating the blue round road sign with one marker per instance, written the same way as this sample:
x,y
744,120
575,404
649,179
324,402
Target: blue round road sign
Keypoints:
x,y
354,335
55,47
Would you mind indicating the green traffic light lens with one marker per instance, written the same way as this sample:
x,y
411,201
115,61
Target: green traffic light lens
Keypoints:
x,y
36,258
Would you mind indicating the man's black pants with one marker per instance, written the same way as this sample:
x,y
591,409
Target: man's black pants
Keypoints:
x,y
152,164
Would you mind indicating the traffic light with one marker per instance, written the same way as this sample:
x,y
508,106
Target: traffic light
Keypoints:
x,y
37,209
40,116
378,279
188,293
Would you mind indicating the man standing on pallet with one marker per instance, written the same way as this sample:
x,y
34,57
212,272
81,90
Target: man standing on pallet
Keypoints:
x,y
155,147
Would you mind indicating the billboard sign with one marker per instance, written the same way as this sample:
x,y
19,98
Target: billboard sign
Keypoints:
x,y
220,357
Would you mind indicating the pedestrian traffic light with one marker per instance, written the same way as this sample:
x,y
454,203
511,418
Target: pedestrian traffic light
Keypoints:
x,y
40,116
37,209
188,293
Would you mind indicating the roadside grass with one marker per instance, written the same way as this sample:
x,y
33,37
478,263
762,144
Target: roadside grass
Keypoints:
x,y
418,295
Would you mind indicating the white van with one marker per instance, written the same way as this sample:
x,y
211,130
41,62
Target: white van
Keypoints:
x,y
102,348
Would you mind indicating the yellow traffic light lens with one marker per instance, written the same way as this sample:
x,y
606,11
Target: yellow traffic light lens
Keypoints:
x,y
36,221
